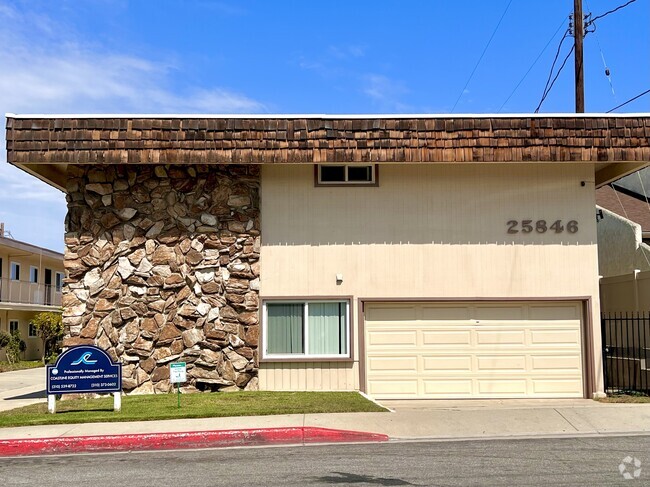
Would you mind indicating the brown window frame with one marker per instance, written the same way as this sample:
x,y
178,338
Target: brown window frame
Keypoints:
x,y
356,184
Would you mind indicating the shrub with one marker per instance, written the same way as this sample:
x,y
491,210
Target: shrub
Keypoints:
x,y
14,348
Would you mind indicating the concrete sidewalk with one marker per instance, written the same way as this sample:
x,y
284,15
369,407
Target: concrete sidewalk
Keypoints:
x,y
410,420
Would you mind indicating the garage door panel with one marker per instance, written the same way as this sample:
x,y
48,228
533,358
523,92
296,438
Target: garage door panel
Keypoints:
x,y
402,364
447,388
447,364
501,338
393,388
502,387
556,337
513,350
498,313
392,338
506,363
554,312
556,386
388,313
555,362
446,338
445,313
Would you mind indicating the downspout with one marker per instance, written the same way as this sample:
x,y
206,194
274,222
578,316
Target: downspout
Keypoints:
x,y
636,290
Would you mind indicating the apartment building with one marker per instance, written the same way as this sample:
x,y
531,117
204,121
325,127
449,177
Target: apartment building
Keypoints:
x,y
406,256
31,278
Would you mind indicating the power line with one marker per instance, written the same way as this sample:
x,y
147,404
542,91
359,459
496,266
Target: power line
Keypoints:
x,y
591,21
554,79
550,84
481,57
607,71
588,23
557,54
532,65
629,101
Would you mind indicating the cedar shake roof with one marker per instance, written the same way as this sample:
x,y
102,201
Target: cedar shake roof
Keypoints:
x,y
625,205
34,141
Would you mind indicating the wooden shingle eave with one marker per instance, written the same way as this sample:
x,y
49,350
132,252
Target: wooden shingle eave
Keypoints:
x,y
44,145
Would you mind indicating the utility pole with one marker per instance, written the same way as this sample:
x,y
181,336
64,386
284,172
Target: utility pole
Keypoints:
x,y
578,35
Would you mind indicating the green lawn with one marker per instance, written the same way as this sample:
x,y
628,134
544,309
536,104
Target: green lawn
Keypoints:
x,y
199,405
23,364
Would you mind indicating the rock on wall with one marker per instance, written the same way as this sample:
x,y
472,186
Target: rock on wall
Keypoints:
x,y
162,265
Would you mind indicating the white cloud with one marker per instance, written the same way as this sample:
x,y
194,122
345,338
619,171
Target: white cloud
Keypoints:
x,y
47,69
76,80
384,91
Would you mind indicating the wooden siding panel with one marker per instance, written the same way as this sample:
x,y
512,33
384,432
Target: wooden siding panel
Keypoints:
x,y
309,376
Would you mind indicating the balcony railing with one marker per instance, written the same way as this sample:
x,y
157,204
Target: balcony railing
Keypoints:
x,y
24,292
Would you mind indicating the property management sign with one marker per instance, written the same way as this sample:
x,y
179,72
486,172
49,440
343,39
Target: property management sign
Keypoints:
x,y
84,369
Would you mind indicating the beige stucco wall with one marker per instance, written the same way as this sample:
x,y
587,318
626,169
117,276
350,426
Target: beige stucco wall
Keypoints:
x,y
34,344
620,246
427,231
627,293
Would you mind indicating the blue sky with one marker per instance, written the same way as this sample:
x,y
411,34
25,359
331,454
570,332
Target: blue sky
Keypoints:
x,y
207,56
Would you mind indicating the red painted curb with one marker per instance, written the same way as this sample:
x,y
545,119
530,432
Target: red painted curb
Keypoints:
x,y
194,439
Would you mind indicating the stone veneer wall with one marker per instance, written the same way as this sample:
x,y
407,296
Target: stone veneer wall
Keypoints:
x,y
162,264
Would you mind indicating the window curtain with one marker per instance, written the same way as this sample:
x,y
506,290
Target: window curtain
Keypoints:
x,y
327,328
284,328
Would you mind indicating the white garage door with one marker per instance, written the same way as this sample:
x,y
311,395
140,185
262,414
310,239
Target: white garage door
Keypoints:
x,y
473,350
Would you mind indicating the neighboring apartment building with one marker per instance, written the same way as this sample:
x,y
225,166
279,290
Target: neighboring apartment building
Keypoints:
x,y
621,246
624,225
31,279
414,256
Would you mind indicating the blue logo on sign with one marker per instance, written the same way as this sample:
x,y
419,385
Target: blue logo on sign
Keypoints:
x,y
84,359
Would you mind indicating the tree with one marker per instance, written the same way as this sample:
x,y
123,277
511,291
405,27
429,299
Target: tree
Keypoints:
x,y
49,327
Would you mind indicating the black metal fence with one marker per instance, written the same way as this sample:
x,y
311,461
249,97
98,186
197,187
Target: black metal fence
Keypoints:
x,y
626,352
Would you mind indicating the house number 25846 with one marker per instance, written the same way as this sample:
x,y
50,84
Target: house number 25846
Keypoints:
x,y
542,226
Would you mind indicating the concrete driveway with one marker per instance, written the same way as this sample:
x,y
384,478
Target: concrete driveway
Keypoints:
x,y
21,388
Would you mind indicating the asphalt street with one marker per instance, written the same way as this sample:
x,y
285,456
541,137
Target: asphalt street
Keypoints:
x,y
565,461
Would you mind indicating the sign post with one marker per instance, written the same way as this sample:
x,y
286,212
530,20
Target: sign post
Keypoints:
x,y
84,369
178,375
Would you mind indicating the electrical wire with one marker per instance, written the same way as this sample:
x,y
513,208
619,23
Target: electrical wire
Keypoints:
x,y
554,79
460,95
532,65
629,101
645,193
594,19
557,54
589,22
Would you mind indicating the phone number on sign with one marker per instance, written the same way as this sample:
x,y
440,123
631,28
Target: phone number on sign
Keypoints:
x,y
63,386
